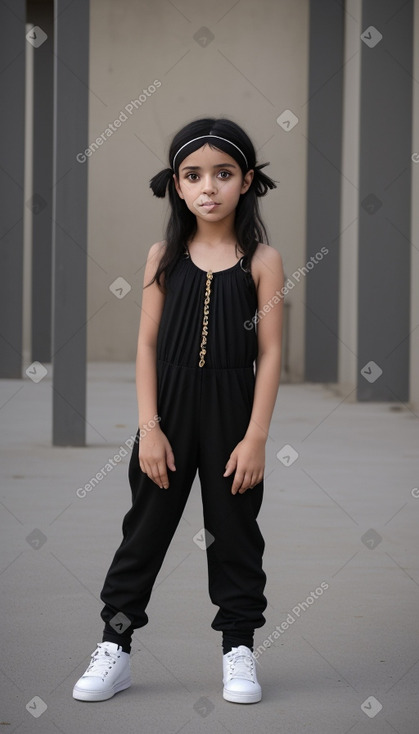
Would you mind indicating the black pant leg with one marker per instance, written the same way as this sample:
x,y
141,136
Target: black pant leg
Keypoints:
x,y
235,573
149,525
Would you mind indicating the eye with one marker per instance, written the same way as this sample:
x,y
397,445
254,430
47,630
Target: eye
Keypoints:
x,y
228,174
191,174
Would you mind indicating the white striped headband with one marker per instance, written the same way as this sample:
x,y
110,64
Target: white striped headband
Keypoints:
x,y
201,137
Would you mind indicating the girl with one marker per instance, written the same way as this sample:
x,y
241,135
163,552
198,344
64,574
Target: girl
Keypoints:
x,y
202,405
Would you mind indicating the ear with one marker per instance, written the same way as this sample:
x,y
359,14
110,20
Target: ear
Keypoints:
x,y
247,180
177,187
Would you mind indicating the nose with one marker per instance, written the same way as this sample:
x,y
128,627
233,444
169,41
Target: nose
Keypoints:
x,y
208,184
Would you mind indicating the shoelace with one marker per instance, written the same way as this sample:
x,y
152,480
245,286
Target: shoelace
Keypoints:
x,y
102,661
241,665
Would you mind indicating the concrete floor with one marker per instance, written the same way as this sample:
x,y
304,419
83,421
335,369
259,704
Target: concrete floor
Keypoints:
x,y
344,514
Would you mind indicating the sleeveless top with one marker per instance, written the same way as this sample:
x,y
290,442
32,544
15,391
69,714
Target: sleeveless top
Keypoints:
x,y
207,317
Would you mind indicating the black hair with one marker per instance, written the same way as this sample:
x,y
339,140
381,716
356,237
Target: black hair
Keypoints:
x,y
249,228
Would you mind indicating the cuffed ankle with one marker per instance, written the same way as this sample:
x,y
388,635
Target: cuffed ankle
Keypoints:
x,y
234,639
110,635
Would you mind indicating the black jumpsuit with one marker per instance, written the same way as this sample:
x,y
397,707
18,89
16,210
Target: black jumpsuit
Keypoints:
x,y
205,377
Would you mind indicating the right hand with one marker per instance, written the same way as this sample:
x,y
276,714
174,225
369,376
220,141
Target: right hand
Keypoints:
x,y
155,455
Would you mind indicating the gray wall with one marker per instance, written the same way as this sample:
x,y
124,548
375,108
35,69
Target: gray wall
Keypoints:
x,y
131,45
253,69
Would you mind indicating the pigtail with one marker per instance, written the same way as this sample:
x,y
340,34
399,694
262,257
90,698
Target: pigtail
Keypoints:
x,y
261,182
160,182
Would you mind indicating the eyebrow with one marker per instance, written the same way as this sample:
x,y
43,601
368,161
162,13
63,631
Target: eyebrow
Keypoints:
x,y
217,165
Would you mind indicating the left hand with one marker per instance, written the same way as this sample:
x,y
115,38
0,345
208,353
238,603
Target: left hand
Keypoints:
x,y
248,461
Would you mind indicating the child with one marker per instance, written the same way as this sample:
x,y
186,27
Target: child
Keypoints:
x,y
202,404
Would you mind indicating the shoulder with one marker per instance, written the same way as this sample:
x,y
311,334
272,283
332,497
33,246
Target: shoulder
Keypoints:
x,y
266,259
154,256
156,251
268,255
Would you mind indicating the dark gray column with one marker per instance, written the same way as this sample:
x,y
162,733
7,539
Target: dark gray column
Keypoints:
x,y
71,77
324,189
40,13
385,200
12,139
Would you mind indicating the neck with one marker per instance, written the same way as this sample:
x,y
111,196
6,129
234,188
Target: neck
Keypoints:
x,y
216,233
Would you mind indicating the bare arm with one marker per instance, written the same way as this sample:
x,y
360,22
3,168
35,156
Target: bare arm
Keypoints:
x,y
269,329
248,457
155,452
151,310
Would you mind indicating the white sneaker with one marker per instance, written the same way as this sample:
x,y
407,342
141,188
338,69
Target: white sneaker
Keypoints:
x,y
108,673
239,676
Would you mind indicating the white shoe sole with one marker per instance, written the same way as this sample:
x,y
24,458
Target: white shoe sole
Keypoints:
x,y
236,697
82,695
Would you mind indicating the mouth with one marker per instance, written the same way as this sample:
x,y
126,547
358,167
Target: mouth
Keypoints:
x,y
209,204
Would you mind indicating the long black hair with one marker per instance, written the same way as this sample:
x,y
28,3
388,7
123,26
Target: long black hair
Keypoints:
x,y
182,225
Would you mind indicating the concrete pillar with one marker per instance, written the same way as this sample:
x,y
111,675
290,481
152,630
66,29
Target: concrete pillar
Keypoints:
x,y
12,136
323,190
385,200
71,97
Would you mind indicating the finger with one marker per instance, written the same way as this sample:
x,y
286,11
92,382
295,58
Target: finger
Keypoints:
x,y
151,471
141,462
170,460
161,474
230,467
148,468
247,484
255,480
156,473
237,482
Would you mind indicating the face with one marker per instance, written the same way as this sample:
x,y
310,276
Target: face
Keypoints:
x,y
211,182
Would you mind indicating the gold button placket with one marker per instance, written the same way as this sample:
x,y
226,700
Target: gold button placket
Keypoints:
x,y
204,332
